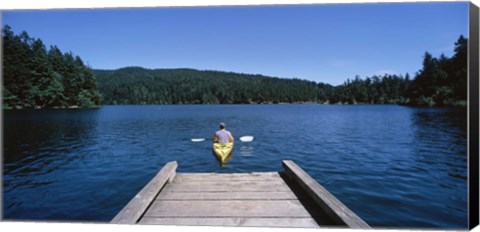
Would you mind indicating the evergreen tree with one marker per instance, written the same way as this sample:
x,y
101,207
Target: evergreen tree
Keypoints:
x,y
458,73
442,81
37,78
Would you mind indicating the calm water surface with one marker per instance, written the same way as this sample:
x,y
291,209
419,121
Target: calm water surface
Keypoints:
x,y
394,166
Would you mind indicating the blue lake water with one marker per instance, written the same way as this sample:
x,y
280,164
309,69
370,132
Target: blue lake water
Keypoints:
x,y
394,166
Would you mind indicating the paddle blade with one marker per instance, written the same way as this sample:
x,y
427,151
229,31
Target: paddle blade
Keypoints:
x,y
198,140
247,138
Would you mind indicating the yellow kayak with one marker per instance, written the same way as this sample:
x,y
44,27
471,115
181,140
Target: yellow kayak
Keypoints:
x,y
222,151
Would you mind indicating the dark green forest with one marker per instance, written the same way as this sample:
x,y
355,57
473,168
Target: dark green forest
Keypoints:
x,y
442,81
34,77
135,85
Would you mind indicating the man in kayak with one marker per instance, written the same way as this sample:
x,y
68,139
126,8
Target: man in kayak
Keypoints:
x,y
223,136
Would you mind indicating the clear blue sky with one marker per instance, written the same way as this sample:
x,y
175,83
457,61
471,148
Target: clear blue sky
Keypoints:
x,y
324,43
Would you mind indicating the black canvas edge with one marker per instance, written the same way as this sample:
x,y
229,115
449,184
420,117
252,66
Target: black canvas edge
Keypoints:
x,y
473,105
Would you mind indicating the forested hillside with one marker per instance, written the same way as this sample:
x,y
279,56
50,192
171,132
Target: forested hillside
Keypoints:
x,y
34,77
136,85
441,81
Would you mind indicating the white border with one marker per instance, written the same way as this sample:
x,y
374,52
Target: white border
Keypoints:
x,y
88,4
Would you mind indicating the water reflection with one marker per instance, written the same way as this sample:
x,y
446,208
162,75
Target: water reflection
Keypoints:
x,y
34,145
441,140
37,145
247,150
440,158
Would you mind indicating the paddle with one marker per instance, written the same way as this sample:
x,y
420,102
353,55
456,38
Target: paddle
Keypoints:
x,y
245,139
200,139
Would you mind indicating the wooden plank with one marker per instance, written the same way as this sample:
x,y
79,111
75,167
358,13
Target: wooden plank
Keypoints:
x,y
225,181
277,181
230,176
237,186
329,203
208,174
132,212
168,195
234,221
227,208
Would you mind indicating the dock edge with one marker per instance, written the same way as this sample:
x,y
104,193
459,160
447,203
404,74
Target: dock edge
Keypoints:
x,y
133,211
340,213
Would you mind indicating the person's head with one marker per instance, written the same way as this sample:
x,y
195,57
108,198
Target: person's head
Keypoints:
x,y
222,125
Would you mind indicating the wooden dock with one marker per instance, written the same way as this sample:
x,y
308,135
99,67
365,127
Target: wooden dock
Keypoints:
x,y
265,199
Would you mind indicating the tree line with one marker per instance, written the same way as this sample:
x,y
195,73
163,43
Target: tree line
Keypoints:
x,y
442,81
34,77
136,85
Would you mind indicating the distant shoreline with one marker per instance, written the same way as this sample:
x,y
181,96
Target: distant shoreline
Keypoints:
x,y
75,107
50,108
